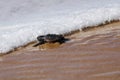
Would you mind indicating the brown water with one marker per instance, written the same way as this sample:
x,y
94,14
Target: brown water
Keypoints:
x,y
89,55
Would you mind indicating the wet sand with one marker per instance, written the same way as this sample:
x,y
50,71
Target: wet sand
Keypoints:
x,y
89,55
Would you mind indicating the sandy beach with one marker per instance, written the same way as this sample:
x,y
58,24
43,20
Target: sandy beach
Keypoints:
x,y
93,54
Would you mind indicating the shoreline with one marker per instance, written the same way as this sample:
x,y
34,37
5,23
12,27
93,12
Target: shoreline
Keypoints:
x,y
66,35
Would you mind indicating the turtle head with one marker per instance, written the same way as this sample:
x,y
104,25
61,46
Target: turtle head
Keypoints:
x,y
40,38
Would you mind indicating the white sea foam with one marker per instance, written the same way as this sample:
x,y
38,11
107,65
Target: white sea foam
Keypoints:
x,y
21,21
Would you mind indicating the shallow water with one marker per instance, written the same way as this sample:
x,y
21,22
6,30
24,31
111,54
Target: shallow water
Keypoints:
x,y
89,55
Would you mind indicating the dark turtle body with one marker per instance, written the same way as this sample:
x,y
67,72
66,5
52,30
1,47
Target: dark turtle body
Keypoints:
x,y
50,38
53,38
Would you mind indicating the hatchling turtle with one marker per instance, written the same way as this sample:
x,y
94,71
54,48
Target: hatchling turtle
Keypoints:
x,y
50,38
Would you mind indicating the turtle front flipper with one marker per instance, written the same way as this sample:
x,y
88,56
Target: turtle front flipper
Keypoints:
x,y
39,43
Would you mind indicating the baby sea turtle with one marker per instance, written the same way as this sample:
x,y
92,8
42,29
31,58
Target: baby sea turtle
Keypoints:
x,y
50,38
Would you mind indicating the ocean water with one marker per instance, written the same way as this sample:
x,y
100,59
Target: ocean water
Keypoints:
x,y
21,21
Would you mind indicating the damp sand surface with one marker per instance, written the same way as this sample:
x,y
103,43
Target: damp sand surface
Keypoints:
x,y
93,54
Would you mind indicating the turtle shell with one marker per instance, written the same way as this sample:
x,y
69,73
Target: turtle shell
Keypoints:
x,y
52,37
